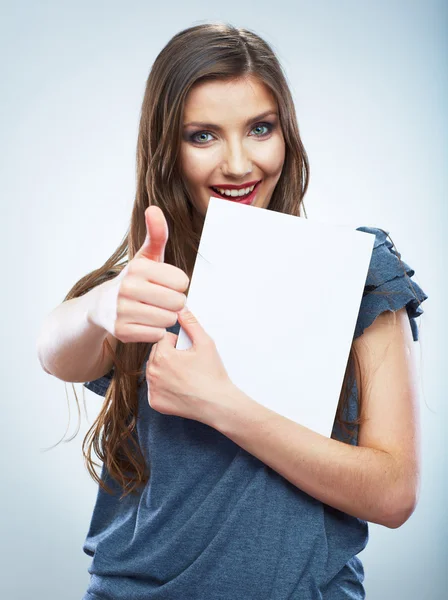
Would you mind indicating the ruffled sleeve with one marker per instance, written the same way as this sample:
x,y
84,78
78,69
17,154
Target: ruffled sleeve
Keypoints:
x,y
387,274
100,385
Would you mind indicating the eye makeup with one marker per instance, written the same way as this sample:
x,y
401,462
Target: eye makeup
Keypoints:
x,y
192,137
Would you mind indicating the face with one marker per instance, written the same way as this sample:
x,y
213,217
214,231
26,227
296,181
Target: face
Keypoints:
x,y
236,139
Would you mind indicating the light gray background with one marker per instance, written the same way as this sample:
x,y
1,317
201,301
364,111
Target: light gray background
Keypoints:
x,y
370,83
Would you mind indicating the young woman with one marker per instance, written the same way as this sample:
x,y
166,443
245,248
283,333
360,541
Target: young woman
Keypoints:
x,y
204,493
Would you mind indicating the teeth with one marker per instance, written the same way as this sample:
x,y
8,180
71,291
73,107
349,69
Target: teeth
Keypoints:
x,y
241,192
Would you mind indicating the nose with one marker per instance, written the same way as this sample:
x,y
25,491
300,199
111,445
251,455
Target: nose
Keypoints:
x,y
236,162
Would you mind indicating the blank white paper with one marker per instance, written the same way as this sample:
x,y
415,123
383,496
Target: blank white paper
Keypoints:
x,y
280,296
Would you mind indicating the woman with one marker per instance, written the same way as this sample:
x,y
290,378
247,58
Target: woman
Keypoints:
x,y
204,493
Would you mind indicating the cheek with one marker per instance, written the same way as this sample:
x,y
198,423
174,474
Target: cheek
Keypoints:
x,y
271,156
196,166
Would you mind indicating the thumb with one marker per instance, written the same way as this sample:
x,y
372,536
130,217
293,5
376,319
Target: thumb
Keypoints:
x,y
192,327
156,235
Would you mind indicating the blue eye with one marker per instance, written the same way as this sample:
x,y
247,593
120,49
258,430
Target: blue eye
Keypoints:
x,y
268,126
193,137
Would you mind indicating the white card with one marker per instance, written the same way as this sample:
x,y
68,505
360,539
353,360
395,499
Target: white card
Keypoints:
x,y
280,296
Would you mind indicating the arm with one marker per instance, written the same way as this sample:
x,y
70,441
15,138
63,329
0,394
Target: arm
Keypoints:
x,y
376,481
70,345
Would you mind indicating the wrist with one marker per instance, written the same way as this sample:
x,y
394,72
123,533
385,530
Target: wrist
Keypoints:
x,y
225,406
92,303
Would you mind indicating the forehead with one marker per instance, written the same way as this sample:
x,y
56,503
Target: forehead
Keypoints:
x,y
212,99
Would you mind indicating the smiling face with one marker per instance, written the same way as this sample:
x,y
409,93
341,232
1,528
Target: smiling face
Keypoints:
x,y
236,140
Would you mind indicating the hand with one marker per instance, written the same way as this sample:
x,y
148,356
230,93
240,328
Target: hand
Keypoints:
x,y
144,299
186,383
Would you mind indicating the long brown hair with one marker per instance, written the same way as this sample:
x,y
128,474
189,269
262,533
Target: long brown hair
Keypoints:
x,y
200,53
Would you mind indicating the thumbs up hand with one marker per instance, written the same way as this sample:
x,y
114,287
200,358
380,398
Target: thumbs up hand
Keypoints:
x,y
144,299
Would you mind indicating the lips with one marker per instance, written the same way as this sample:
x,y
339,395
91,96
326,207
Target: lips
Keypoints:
x,y
229,188
240,199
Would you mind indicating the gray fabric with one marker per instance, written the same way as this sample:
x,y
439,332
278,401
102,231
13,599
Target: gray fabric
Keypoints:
x,y
214,522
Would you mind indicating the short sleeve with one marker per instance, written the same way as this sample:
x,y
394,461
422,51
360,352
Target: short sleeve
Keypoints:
x,y
100,385
387,274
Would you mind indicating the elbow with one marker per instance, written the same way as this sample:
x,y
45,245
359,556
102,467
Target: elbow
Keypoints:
x,y
44,367
400,510
41,361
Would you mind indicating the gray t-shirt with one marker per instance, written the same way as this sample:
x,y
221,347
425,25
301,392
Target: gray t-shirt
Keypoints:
x,y
215,523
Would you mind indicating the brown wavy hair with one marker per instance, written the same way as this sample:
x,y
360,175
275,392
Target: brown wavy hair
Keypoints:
x,y
204,52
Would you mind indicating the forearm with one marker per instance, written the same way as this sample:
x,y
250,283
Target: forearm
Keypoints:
x,y
70,344
363,482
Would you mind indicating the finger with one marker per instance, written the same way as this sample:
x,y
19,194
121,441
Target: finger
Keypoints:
x,y
193,328
156,235
168,341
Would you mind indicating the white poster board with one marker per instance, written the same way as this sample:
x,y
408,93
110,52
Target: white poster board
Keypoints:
x,y
280,296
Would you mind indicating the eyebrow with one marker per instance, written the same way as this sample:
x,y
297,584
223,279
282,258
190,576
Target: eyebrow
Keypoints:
x,y
218,128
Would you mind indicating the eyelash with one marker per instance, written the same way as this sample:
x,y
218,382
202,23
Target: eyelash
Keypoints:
x,y
270,127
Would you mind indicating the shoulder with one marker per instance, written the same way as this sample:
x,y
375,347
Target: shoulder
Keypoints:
x,y
389,285
385,263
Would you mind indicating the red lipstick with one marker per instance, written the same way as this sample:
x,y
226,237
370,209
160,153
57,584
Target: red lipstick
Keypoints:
x,y
241,200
